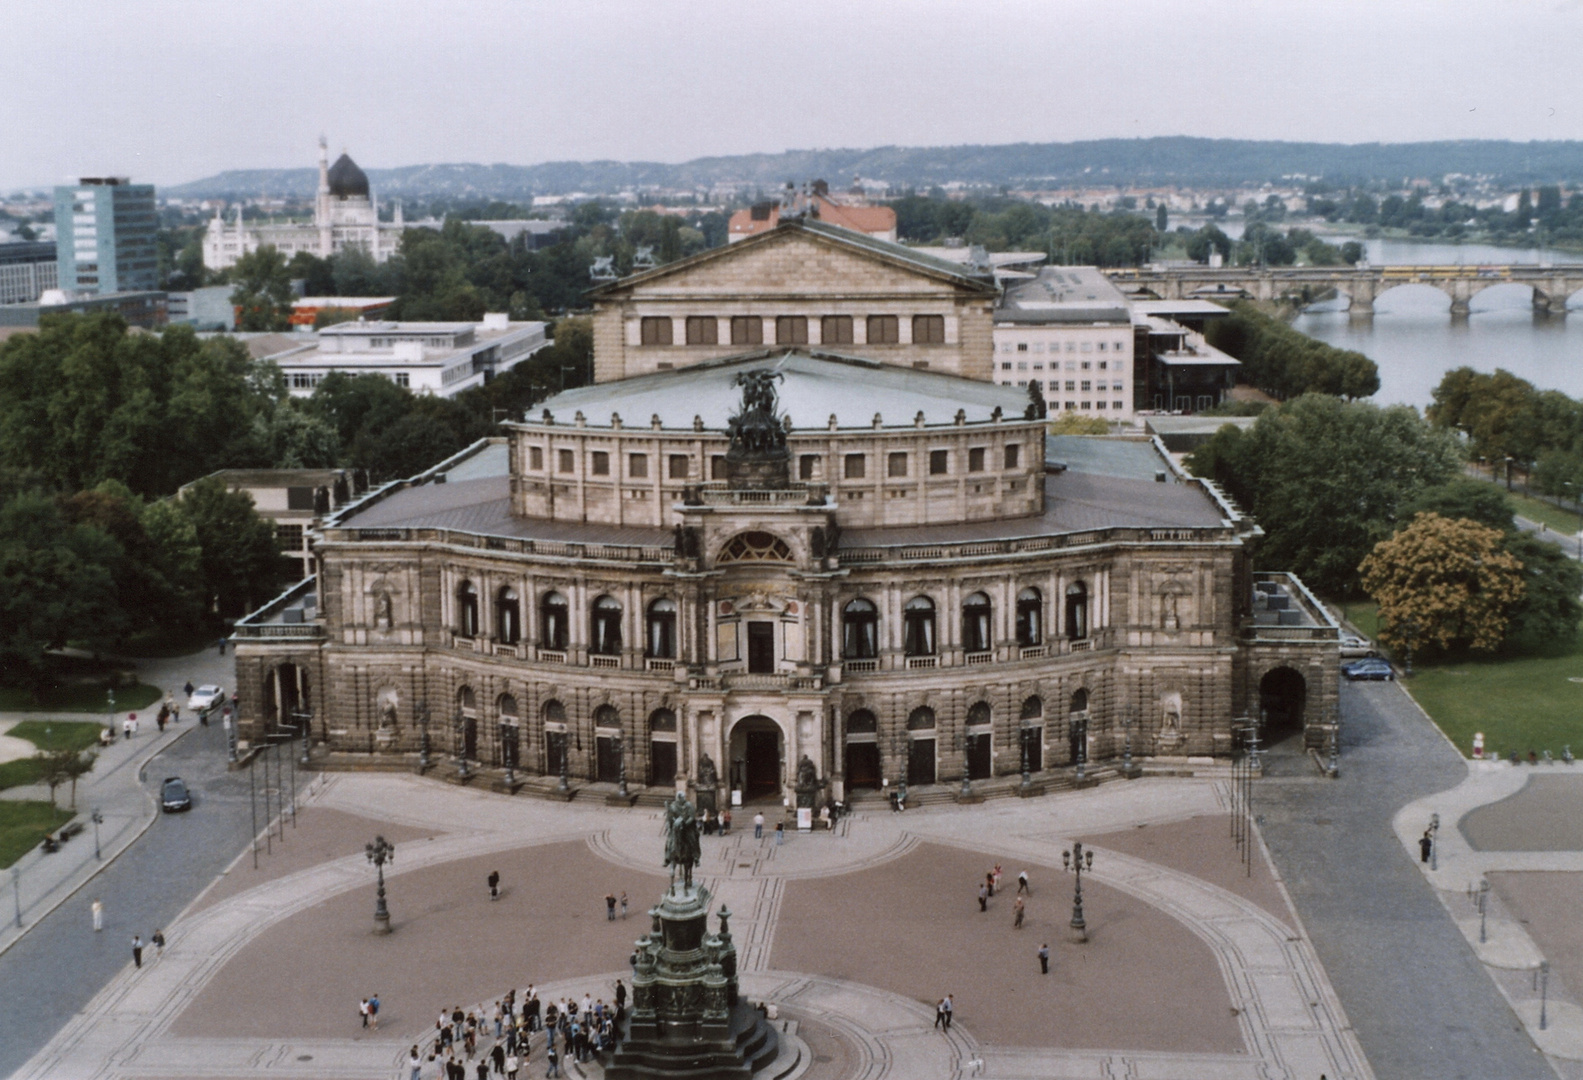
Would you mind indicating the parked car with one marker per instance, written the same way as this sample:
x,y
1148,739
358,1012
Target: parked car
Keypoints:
x,y
205,698
174,796
1353,645
1371,668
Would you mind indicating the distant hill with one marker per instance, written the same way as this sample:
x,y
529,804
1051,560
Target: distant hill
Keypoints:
x,y
1180,160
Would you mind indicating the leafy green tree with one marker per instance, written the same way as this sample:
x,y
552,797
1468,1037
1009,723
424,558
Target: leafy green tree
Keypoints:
x,y
1471,500
1351,252
261,290
1161,218
294,438
240,566
1443,583
412,444
1207,240
1549,612
353,404
1327,480
317,275
1500,413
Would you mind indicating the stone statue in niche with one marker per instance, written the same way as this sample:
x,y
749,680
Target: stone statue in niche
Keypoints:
x,y
807,773
384,615
387,713
1171,716
1168,618
707,776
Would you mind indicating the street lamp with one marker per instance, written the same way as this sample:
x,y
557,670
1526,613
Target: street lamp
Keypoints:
x,y
564,786
1544,993
964,742
423,736
621,761
304,720
508,750
1076,861
1080,726
1484,903
1027,780
97,819
379,853
459,744
1434,841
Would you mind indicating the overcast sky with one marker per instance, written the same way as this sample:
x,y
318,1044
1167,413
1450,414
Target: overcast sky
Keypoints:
x,y
173,90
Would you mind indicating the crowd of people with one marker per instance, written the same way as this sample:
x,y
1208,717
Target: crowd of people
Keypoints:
x,y
472,1045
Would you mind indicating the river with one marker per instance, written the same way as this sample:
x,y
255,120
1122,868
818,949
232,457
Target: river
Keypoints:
x,y
1414,340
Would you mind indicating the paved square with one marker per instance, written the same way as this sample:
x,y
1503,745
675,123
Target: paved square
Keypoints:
x,y
1194,967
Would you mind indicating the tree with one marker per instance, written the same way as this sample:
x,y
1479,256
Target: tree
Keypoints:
x,y
70,765
411,445
1499,412
241,565
1036,409
1161,218
1549,612
1351,252
1443,583
1327,480
1072,423
1470,500
261,290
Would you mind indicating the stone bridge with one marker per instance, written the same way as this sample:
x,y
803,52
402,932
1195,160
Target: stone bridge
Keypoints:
x,y
1552,286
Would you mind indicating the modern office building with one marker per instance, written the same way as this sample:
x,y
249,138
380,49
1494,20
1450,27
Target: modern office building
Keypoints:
x,y
104,236
27,270
1069,331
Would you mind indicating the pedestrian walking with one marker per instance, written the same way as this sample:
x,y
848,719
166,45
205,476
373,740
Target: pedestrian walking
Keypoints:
x,y
362,1010
159,720
414,1064
950,1007
498,1057
98,915
725,821
1426,844
995,874
621,996
552,1060
780,832
512,1065
1022,883
373,1012
137,950
983,897
188,688
159,943
939,1013
1018,908
1044,959
494,884
758,826
989,880
610,907
482,1072
623,904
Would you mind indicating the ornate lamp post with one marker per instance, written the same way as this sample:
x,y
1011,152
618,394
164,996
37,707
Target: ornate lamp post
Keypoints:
x,y
304,720
1484,903
98,819
379,853
1076,861
459,745
621,760
508,751
423,736
1081,724
1023,732
1434,841
564,786
964,743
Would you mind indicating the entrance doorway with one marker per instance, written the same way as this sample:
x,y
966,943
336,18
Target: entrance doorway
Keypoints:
x,y
920,762
554,752
662,763
862,765
756,757
470,738
608,754
761,648
978,756
1283,693
1033,739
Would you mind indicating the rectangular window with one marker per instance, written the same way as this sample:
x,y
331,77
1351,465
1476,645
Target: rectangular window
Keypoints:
x,y
1070,405
1013,455
1022,346
1101,346
717,467
289,537
1117,405
656,330
791,329
835,330
1099,404
638,466
299,498
535,457
1085,386
1005,365
1087,405
884,329
567,463
747,330
807,465
678,467
403,380
1071,384
856,466
1102,365
1085,365
939,462
703,330
928,329
975,459
601,463
896,464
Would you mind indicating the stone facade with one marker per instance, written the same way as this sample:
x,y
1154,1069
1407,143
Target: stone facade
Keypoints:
x,y
805,271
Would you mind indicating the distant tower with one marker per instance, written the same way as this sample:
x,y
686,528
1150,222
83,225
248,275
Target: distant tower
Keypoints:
x,y
321,206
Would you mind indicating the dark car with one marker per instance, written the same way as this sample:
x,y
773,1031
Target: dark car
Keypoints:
x,y
1369,669
174,796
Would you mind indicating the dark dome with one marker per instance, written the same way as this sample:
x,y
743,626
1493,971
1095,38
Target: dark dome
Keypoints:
x,y
347,179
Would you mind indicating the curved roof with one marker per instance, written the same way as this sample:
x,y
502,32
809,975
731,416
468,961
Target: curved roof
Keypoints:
x,y
813,387
346,179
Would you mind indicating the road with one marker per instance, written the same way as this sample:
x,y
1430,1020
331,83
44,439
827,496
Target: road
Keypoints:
x,y
61,961
1421,1003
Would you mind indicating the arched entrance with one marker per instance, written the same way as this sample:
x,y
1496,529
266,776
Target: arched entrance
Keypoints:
x,y
285,693
757,750
1283,693
862,750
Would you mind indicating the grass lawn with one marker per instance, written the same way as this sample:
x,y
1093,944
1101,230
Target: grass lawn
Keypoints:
x,y
23,825
1522,704
1365,615
1559,520
77,697
46,735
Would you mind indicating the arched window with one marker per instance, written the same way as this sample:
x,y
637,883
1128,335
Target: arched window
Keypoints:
x,y
976,637
859,630
978,715
554,737
507,706
861,722
755,547
662,720
918,627
660,631
1030,618
607,716
1077,611
467,609
554,712
466,700
1079,702
607,627
553,611
921,719
508,616
1033,708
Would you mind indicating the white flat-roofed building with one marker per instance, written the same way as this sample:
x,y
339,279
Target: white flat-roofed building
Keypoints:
x,y
425,357
1069,330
